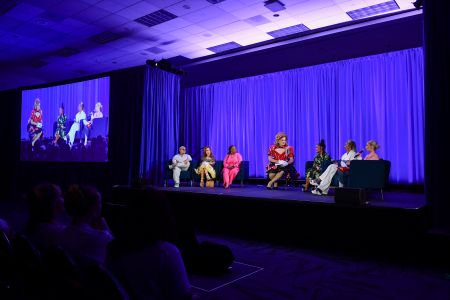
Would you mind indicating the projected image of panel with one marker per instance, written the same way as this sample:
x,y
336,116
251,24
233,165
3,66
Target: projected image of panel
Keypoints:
x,y
66,123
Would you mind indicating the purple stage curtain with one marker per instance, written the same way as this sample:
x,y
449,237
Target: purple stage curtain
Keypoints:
x,y
378,97
89,92
159,140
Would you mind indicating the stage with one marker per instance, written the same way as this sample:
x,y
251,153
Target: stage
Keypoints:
x,y
290,214
392,199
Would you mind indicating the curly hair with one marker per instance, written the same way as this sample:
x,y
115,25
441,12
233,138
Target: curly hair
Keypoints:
x,y
279,136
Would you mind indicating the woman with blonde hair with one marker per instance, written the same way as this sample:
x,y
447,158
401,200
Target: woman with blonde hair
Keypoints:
x,y
281,160
372,147
206,168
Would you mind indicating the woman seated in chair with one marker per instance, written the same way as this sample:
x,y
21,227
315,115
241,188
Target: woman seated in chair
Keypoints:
x,y
281,161
60,125
80,117
231,166
206,168
316,169
323,182
35,122
372,147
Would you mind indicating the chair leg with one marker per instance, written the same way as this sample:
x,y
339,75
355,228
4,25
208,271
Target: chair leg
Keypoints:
x,y
382,195
191,183
165,183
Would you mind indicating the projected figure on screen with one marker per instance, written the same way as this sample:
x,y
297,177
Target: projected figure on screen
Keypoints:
x,y
60,125
35,122
206,168
281,161
96,114
231,166
80,120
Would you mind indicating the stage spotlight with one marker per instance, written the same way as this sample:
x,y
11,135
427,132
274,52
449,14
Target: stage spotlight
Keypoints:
x,y
418,4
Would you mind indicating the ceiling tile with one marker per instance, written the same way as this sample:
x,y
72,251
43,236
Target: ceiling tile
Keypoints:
x,y
204,14
91,15
137,10
185,7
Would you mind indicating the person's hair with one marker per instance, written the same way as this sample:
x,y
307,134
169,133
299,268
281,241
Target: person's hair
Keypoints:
x,y
374,144
182,147
42,201
62,106
37,101
352,144
99,104
229,149
322,144
82,105
145,220
279,136
80,199
204,151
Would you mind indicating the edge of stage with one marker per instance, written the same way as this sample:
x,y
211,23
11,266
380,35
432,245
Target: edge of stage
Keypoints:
x,y
292,215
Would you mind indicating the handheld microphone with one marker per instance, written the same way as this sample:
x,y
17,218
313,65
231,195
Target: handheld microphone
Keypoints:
x,y
359,153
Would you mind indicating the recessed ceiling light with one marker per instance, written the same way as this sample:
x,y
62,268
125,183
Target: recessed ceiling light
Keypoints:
x,y
186,6
276,15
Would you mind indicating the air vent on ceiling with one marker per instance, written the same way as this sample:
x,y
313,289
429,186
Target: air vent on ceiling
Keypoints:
x,y
288,30
373,10
155,50
168,42
66,52
6,6
105,37
257,20
224,47
156,18
215,1
274,5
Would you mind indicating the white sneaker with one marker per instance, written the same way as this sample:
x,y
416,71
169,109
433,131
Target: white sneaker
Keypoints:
x,y
318,192
177,185
313,182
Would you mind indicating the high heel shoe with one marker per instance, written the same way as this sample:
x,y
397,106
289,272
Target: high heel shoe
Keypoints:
x,y
269,186
202,183
275,186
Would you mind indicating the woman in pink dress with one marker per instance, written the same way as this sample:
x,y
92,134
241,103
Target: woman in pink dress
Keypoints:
x,y
231,166
372,147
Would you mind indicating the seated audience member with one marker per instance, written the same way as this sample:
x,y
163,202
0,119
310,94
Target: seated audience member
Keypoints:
x,y
323,182
141,257
88,235
46,207
231,166
316,170
372,147
180,162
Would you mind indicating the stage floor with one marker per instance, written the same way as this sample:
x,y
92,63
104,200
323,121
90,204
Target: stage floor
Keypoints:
x,y
392,199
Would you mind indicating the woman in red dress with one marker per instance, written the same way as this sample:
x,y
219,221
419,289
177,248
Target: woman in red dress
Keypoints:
x,y
281,158
35,122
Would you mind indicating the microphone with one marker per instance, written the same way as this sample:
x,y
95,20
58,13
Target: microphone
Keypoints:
x,y
359,153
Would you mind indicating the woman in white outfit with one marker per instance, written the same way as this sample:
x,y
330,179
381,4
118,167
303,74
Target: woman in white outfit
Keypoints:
x,y
324,181
79,117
